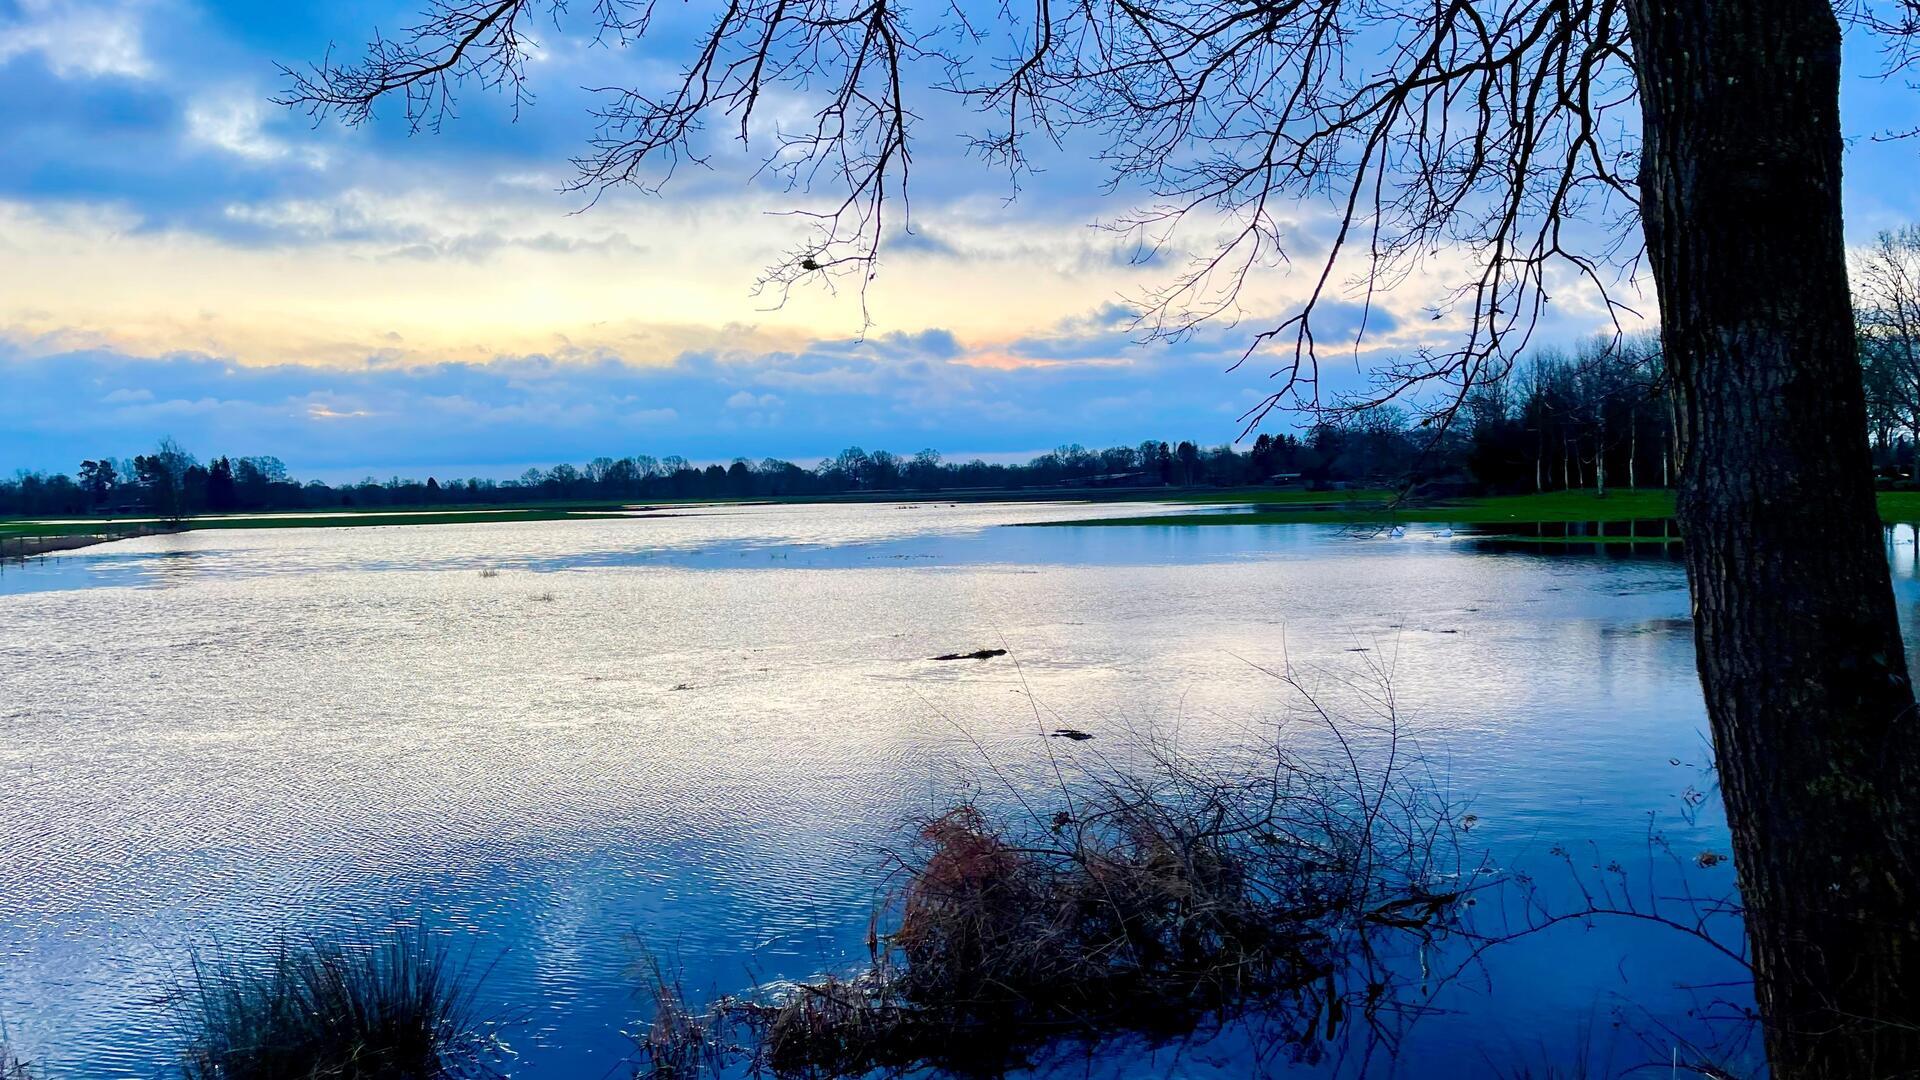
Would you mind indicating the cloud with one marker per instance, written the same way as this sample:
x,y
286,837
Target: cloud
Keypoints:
x,y
78,40
235,122
325,412
902,391
178,256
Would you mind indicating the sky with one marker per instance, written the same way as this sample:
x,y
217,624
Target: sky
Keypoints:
x,y
179,256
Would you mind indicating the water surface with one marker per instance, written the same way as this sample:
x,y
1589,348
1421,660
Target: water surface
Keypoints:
x,y
700,729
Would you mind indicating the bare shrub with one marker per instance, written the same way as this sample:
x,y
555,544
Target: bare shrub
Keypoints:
x,y
1151,902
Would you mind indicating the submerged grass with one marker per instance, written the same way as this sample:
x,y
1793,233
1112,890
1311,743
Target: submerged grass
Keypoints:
x,y
398,1008
1148,904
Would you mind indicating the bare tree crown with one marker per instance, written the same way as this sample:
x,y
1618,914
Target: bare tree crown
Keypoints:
x,y
1491,142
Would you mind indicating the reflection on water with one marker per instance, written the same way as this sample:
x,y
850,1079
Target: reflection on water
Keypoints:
x,y
702,730
1651,538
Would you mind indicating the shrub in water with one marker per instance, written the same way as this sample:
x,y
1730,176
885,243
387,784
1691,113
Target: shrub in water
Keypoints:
x,y
1152,903
395,1009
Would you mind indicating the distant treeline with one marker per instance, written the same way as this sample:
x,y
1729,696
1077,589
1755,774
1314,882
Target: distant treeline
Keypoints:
x,y
1597,416
171,482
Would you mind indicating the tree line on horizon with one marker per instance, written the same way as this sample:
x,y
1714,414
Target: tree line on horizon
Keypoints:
x,y
1596,416
1562,420
1593,417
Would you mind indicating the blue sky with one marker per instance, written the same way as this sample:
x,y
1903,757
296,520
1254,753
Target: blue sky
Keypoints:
x,y
179,257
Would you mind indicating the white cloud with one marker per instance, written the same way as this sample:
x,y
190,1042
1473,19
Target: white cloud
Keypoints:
x,y
324,412
234,121
745,400
78,39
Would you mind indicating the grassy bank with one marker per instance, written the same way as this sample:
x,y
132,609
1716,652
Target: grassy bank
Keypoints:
x,y
318,520
356,517
1549,507
372,520
1552,506
23,538
1252,506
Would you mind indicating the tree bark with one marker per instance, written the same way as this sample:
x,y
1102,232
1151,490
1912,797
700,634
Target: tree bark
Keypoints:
x,y
1633,448
1600,461
1799,651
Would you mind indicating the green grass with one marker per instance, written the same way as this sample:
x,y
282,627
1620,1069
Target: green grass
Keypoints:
x,y
316,520
1367,508
1552,506
1263,497
354,517
1900,506
1264,507
451,517
1573,541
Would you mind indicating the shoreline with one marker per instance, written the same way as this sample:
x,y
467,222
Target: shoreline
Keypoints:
x,y
1197,508
23,547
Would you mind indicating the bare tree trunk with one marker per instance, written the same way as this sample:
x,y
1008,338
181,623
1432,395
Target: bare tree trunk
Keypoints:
x,y
1633,449
1799,652
1600,461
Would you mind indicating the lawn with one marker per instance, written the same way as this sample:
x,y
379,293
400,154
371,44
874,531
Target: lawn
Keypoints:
x,y
1261,507
1368,508
316,520
1373,508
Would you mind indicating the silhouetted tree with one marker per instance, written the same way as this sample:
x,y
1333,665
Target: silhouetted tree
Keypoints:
x,y
98,479
1886,279
222,492
739,478
163,479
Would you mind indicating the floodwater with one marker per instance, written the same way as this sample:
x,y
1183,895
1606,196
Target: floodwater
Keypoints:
x,y
699,730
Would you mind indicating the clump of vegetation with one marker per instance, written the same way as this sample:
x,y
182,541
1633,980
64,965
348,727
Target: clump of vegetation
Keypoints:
x,y
397,1009
1150,905
11,1067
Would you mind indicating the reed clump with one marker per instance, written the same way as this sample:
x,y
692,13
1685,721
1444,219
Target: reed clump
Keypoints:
x,y
1149,904
399,1008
